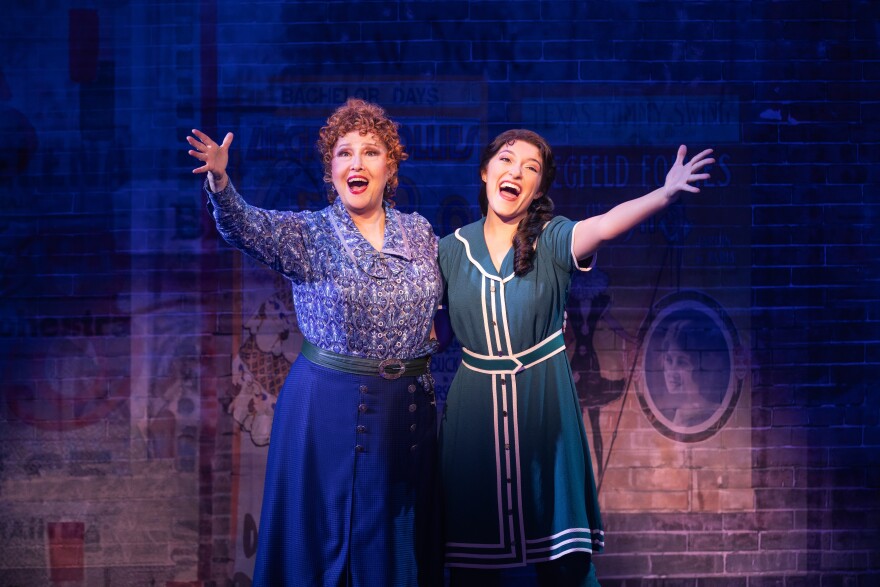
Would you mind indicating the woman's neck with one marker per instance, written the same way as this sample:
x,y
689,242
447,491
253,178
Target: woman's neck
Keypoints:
x,y
498,235
371,226
501,229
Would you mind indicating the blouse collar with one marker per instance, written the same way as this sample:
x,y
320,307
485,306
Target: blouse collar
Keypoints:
x,y
395,253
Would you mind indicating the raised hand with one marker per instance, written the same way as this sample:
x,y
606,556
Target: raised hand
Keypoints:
x,y
682,174
213,156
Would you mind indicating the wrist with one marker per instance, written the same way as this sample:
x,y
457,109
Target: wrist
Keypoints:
x,y
217,181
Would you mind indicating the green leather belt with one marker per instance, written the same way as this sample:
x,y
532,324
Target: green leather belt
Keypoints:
x,y
386,368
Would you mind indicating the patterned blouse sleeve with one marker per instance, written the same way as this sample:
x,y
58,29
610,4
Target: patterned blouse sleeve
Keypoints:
x,y
447,264
274,238
427,230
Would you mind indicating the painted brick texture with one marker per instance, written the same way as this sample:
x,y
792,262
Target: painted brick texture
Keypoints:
x,y
129,329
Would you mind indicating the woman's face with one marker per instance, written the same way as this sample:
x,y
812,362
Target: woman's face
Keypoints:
x,y
678,372
512,176
360,170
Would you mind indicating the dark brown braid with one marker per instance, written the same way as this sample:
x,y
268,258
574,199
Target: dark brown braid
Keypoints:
x,y
540,211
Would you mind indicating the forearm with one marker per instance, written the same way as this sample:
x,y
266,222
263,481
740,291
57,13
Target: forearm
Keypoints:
x,y
593,232
247,228
629,214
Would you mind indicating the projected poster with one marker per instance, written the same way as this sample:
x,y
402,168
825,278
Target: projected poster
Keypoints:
x,y
656,331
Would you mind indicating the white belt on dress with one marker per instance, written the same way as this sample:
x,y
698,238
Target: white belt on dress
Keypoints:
x,y
509,364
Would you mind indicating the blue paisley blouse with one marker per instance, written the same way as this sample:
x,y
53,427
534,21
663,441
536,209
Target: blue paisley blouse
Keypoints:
x,y
349,298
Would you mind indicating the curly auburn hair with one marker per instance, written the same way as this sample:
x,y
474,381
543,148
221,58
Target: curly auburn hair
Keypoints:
x,y
540,210
366,118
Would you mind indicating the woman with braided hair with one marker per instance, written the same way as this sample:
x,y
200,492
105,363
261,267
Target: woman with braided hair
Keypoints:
x,y
517,479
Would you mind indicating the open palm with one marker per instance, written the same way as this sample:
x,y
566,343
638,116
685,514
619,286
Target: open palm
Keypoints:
x,y
214,157
682,175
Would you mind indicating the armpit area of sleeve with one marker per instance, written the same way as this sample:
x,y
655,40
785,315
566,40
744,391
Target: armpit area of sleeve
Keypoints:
x,y
580,264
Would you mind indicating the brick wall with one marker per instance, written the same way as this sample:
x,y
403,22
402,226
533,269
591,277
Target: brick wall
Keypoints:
x,y
126,325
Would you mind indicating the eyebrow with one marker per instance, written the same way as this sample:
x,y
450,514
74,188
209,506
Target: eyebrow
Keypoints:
x,y
370,144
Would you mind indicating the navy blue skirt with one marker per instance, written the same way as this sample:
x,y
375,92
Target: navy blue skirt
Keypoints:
x,y
350,496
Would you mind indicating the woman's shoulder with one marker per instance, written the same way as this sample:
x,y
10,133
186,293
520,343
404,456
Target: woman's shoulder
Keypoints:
x,y
414,223
413,218
318,216
302,219
450,241
557,227
456,242
466,232
558,221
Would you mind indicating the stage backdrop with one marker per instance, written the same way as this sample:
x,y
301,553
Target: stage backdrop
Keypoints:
x,y
725,351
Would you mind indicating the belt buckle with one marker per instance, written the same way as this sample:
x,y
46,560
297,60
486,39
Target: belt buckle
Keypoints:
x,y
394,363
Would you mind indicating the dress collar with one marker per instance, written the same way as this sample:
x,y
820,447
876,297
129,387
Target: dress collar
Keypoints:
x,y
478,253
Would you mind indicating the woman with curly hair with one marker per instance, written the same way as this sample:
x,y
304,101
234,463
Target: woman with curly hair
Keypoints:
x,y
349,489
517,481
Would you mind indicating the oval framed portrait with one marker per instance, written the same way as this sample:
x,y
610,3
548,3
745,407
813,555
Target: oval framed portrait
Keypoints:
x,y
690,360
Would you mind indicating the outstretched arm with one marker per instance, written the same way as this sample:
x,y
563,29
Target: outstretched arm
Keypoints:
x,y
271,237
213,156
593,232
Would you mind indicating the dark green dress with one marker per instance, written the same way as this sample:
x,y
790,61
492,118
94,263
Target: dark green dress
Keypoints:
x,y
517,478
